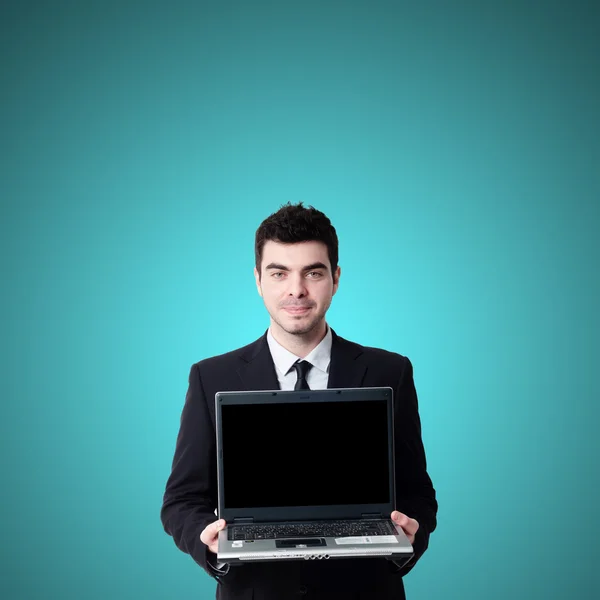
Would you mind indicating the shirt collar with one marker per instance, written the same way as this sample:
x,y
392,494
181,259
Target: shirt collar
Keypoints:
x,y
319,357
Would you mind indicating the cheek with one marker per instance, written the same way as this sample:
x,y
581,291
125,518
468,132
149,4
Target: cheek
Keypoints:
x,y
270,294
324,294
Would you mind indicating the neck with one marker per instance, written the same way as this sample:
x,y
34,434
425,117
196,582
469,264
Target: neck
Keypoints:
x,y
299,344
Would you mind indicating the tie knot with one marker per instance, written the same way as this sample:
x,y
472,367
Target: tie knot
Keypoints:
x,y
302,368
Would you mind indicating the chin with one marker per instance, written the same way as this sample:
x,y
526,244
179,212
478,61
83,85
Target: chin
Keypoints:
x,y
301,328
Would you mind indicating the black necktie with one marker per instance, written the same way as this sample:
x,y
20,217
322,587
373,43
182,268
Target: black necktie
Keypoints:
x,y
302,368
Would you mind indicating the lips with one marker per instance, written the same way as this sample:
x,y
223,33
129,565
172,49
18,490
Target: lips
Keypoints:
x,y
296,310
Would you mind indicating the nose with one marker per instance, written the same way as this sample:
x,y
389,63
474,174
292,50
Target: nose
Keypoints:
x,y
297,288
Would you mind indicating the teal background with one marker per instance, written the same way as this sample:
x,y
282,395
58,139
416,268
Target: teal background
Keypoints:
x,y
454,145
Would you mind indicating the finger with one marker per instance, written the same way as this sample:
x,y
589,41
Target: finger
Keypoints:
x,y
211,532
399,517
410,526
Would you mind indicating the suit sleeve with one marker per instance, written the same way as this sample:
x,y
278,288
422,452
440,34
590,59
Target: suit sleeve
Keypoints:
x,y
415,495
189,500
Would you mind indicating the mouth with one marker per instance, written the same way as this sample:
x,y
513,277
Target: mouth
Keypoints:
x,y
297,310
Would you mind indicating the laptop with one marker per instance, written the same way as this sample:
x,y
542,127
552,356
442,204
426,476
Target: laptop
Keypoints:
x,y
307,475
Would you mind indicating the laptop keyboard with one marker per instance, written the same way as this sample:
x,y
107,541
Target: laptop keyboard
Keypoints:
x,y
271,531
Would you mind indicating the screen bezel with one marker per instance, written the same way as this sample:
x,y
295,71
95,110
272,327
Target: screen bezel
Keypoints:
x,y
291,513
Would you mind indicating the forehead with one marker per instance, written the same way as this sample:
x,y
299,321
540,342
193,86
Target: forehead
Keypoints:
x,y
295,256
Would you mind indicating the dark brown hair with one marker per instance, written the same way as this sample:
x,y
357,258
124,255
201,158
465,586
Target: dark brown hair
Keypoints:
x,y
294,223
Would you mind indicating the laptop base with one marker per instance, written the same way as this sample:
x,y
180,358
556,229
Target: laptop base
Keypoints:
x,y
393,547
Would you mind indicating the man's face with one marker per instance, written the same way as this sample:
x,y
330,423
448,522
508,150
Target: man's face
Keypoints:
x,y
296,284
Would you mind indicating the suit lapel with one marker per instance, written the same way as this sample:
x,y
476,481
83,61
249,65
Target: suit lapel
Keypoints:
x,y
346,369
257,370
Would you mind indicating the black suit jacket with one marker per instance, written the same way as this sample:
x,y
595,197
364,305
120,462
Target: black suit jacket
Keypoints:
x,y
190,497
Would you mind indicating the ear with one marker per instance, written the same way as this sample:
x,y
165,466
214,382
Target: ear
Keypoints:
x,y
336,280
257,279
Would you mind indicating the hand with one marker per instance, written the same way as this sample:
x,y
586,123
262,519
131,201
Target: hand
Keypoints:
x,y
210,535
409,526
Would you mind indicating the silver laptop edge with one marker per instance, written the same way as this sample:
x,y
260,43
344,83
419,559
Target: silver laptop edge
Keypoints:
x,y
396,547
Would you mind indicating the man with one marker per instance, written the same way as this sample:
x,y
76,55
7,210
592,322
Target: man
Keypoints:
x,y
297,275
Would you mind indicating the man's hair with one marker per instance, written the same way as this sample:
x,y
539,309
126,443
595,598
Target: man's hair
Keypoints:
x,y
294,223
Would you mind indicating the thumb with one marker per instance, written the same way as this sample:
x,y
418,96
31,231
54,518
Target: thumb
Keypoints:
x,y
217,526
211,531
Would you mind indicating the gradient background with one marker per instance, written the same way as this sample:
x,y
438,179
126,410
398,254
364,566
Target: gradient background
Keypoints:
x,y
455,146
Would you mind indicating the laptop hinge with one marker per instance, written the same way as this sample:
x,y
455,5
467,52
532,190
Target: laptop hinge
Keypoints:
x,y
371,516
243,520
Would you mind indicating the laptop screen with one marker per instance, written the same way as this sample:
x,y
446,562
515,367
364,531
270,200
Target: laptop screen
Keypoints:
x,y
305,454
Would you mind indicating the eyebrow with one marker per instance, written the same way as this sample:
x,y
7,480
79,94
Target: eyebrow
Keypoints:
x,y
278,267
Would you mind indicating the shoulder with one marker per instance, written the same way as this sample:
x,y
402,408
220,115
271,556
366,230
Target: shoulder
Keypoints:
x,y
233,357
373,354
384,366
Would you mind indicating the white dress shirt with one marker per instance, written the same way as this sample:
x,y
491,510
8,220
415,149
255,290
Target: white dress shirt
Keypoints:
x,y
319,357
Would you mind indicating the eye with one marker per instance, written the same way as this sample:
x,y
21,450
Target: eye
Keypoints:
x,y
277,275
315,274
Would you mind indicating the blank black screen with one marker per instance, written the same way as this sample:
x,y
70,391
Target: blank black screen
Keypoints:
x,y
305,454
